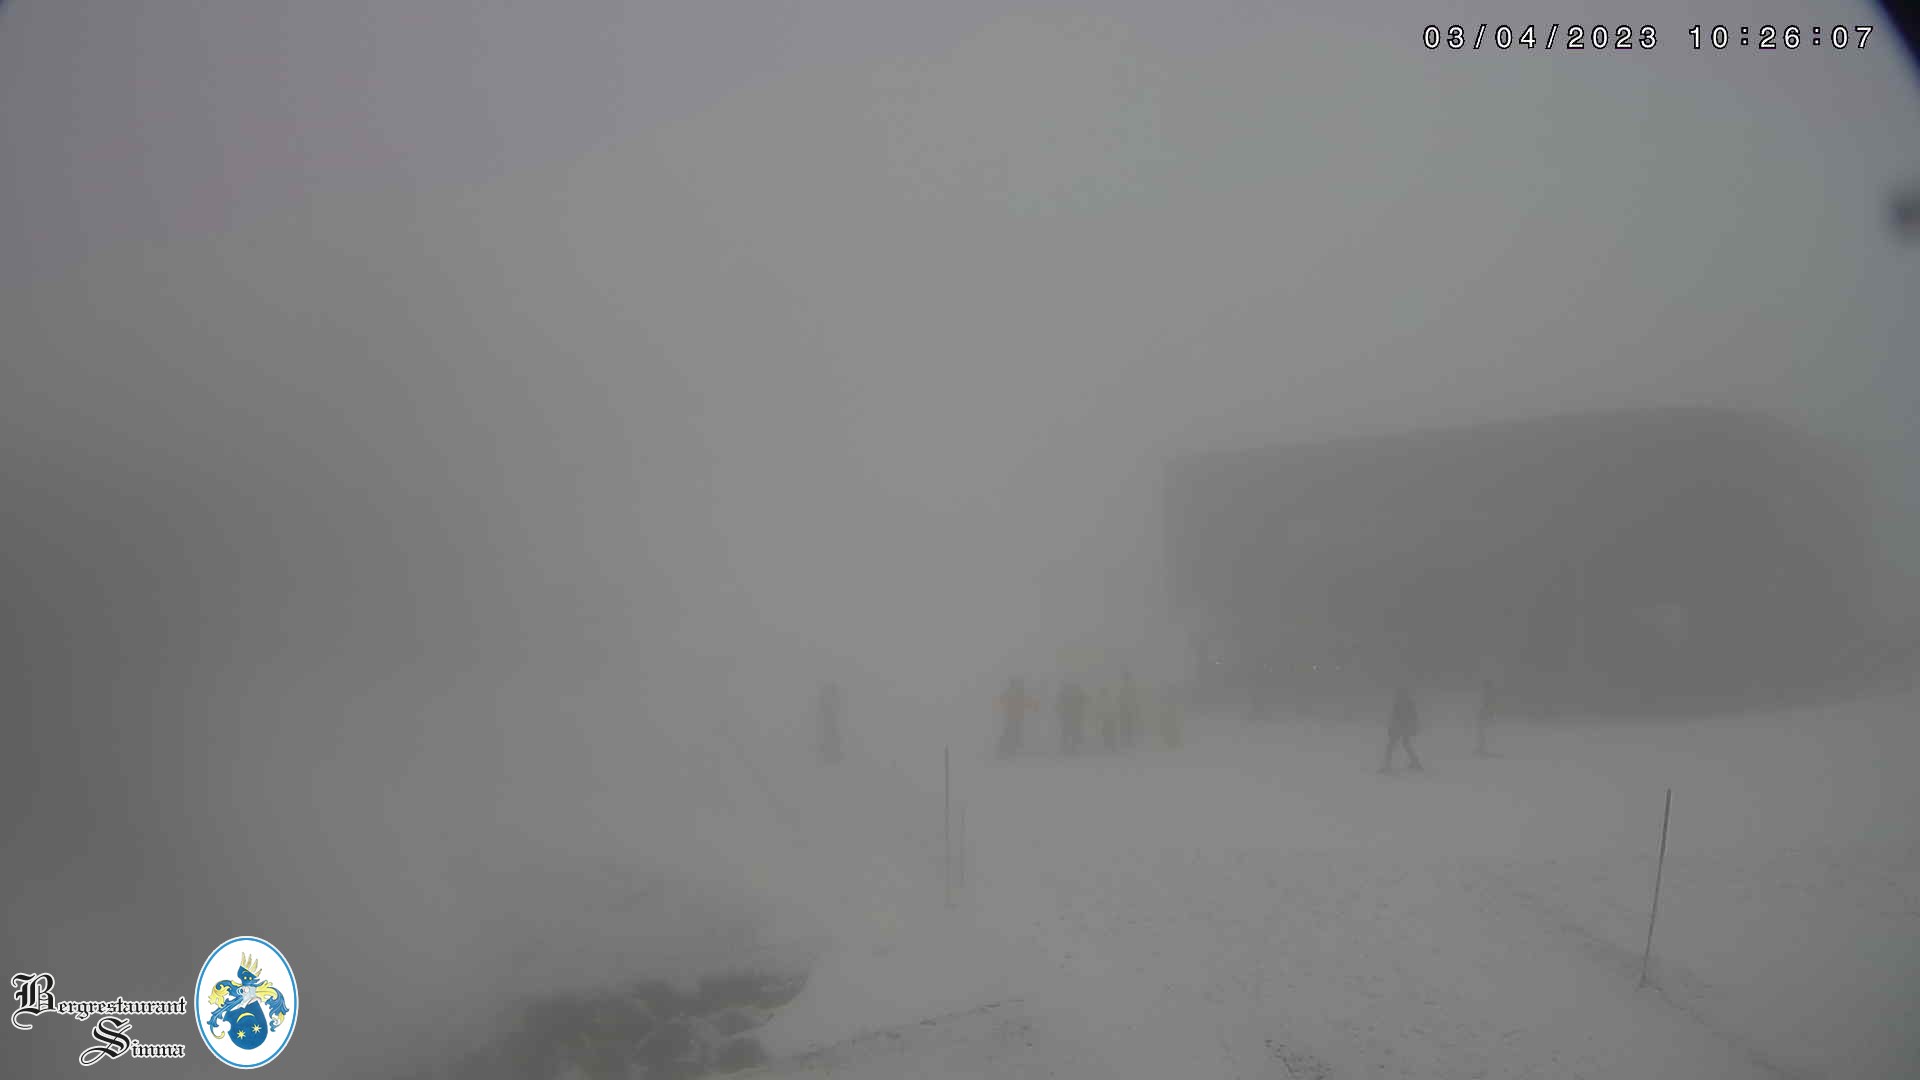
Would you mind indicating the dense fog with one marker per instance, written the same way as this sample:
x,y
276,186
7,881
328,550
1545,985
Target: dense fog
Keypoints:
x,y
445,447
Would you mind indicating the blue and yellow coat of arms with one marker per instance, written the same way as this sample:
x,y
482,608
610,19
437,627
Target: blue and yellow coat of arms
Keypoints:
x,y
246,1008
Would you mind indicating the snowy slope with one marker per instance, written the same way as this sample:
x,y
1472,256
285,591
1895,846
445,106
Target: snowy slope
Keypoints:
x,y
1260,903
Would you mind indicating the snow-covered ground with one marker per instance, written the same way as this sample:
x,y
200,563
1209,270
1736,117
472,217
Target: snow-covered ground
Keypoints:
x,y
1262,903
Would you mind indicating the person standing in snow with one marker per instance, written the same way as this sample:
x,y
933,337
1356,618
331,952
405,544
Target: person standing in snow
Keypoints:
x,y
829,706
1170,721
1484,718
1400,728
1127,709
1071,706
1014,703
1108,706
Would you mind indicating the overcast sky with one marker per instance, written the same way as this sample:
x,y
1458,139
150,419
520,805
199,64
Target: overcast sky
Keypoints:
x,y
884,313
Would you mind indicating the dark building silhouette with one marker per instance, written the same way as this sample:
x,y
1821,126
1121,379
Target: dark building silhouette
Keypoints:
x,y
1654,557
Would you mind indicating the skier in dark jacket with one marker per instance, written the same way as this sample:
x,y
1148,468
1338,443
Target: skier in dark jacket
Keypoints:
x,y
1170,721
1014,705
1071,706
1106,704
1484,718
1127,710
1400,729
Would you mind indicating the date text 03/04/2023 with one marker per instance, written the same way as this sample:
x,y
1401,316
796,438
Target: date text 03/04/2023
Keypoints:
x,y
1577,37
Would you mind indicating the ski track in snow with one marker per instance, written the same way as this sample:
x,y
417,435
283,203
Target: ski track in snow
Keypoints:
x,y
1259,905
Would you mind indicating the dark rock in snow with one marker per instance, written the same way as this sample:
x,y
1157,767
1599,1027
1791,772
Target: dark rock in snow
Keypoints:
x,y
673,1043
660,997
737,1054
755,989
650,1029
729,1022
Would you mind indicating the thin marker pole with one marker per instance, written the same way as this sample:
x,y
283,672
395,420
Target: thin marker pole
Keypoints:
x,y
946,783
960,845
1658,869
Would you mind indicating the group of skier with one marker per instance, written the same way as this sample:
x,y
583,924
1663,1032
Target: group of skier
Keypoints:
x,y
1121,716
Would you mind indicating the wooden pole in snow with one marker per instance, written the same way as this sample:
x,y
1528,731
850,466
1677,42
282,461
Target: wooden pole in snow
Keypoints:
x,y
1658,869
946,783
960,845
